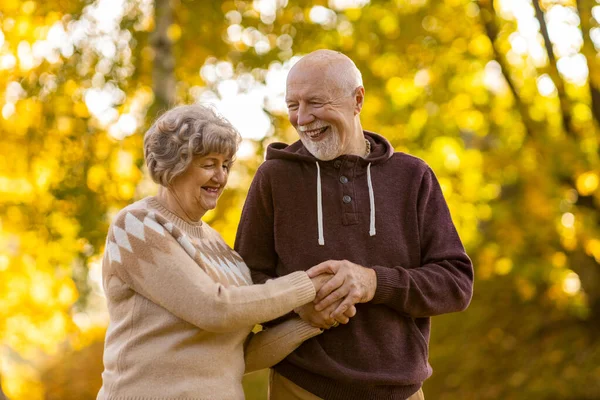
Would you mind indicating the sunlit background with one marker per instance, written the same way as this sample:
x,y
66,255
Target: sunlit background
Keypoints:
x,y
501,98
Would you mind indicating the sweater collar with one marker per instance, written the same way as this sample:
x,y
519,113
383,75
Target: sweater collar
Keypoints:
x,y
192,229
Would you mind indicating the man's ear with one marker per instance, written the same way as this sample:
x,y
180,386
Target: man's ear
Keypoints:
x,y
359,99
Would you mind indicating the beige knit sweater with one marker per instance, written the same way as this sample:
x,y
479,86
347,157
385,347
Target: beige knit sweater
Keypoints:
x,y
182,309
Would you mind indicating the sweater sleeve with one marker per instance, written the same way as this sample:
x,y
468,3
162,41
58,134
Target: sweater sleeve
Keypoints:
x,y
268,347
255,238
145,255
443,282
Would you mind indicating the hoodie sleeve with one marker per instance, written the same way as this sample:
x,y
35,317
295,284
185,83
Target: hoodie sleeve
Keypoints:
x,y
255,235
443,282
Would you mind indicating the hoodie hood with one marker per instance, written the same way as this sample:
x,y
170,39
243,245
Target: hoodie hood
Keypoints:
x,y
381,151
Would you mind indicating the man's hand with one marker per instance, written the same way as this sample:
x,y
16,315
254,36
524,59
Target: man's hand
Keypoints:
x,y
319,280
322,319
351,283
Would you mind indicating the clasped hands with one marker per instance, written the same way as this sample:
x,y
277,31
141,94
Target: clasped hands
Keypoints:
x,y
340,284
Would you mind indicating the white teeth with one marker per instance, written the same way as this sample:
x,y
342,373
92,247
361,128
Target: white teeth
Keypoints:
x,y
315,132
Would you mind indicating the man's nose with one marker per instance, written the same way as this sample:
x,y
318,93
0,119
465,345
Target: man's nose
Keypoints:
x,y
304,116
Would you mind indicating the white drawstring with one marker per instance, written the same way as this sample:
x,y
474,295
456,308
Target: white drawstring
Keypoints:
x,y
372,201
320,207
372,230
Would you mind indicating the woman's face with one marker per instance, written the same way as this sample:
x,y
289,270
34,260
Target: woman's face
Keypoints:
x,y
200,186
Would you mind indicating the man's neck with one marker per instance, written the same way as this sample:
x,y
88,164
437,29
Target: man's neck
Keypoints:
x,y
358,147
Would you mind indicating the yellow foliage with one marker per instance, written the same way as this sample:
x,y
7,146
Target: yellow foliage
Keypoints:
x,y
587,183
174,32
592,247
503,266
21,381
402,91
480,46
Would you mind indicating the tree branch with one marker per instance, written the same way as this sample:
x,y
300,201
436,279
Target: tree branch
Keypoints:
x,y
488,17
565,106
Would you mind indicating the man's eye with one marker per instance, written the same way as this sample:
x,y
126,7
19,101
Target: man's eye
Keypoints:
x,y
292,106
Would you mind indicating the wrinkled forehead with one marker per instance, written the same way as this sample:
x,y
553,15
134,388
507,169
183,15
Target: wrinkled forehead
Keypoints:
x,y
313,79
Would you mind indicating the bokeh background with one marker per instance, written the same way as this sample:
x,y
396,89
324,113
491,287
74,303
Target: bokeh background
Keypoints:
x,y
501,98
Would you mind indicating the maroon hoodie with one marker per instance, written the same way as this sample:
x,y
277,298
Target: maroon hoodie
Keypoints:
x,y
385,212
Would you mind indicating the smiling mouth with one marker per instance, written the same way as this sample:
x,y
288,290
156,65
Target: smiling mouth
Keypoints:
x,y
212,190
316,133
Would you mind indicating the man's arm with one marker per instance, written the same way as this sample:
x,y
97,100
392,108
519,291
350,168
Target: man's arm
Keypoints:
x,y
443,282
254,240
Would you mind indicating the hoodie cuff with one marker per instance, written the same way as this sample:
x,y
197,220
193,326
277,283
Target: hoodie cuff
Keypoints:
x,y
389,285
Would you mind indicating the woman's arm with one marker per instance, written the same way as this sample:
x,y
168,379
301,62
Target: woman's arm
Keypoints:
x,y
144,252
268,347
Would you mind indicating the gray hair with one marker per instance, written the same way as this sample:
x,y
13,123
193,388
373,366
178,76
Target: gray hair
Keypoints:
x,y
183,133
351,79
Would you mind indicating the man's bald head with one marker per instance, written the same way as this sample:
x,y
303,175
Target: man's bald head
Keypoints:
x,y
336,67
324,96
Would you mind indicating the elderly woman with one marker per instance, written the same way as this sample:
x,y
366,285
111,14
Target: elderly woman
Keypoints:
x,y
181,302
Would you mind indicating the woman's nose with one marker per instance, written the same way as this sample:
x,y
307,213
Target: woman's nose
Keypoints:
x,y
220,175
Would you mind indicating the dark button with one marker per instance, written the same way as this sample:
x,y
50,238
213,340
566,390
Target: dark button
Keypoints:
x,y
337,163
346,199
343,179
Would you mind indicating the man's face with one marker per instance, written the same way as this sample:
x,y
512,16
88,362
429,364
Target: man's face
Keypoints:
x,y
322,112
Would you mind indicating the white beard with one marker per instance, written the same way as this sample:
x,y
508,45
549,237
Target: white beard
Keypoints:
x,y
325,149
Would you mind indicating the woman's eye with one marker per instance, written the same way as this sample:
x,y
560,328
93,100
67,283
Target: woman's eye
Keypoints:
x,y
208,166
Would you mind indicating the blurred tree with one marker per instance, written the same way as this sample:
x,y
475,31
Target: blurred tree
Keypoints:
x,y
500,98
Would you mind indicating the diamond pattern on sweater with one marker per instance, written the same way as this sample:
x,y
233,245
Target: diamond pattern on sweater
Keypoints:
x,y
189,248
113,252
152,224
210,252
120,236
134,226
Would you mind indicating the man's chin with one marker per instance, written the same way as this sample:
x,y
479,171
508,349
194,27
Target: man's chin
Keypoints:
x,y
319,155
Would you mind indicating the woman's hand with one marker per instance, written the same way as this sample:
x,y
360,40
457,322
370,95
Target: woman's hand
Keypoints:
x,y
322,319
319,280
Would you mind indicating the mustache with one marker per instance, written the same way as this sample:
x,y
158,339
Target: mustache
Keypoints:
x,y
312,126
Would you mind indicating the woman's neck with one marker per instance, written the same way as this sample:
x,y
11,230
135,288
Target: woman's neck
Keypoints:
x,y
174,203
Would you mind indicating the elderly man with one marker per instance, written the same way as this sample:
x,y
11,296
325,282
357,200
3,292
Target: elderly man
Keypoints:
x,y
343,201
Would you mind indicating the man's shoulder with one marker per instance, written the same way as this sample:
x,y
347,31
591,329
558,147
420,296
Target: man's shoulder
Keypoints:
x,y
276,167
407,161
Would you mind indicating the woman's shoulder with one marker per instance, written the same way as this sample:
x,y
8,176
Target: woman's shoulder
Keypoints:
x,y
139,209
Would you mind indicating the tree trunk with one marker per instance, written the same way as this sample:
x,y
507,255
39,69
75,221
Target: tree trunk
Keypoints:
x,y
584,8
565,106
488,17
163,76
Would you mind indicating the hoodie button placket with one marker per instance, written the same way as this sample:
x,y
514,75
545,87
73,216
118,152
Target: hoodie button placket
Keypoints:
x,y
346,181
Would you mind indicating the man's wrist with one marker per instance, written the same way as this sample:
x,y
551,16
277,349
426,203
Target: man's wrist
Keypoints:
x,y
372,284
